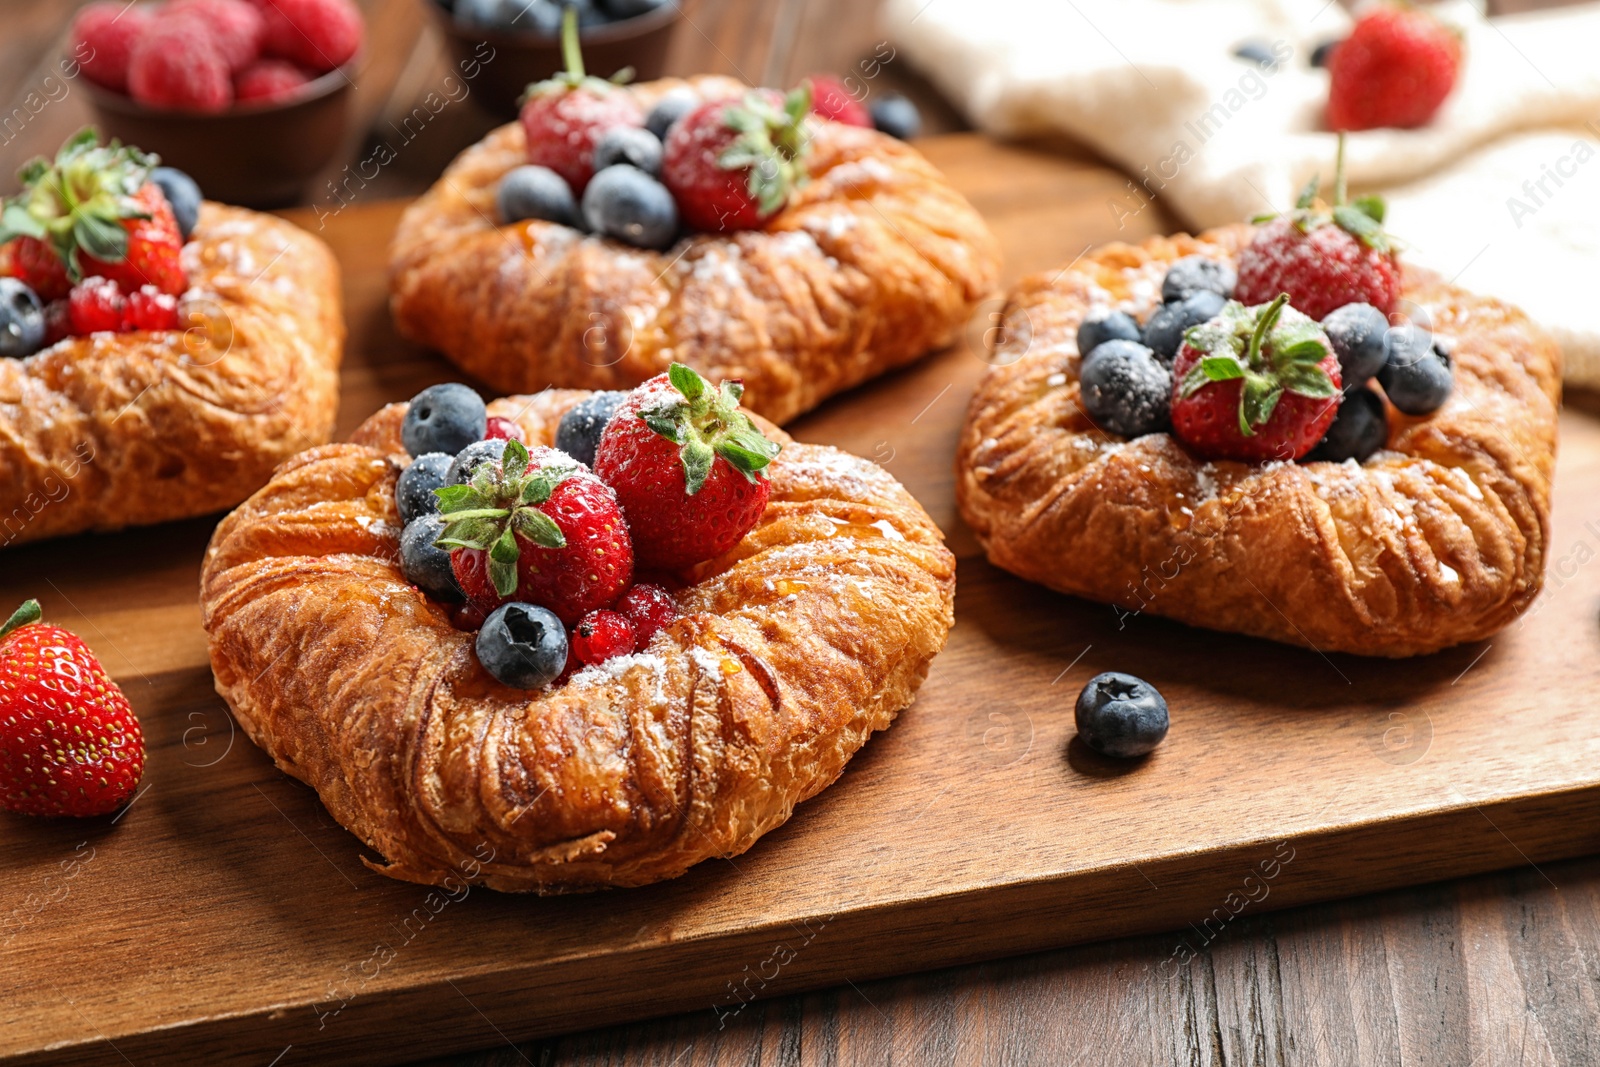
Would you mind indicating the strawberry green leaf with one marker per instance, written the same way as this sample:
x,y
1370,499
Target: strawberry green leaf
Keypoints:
x,y
664,421
1308,381
458,498
1361,225
697,457
1259,399
1310,350
504,576
505,548
1221,368
515,460
1308,195
102,238
541,484
732,392
535,526
476,513
28,614
1371,206
17,221
686,381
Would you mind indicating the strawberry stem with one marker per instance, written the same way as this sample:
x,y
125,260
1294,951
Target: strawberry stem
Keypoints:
x,y
1264,325
571,54
27,615
1338,174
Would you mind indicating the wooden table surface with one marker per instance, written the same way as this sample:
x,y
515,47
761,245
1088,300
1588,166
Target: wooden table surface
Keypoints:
x,y
1491,970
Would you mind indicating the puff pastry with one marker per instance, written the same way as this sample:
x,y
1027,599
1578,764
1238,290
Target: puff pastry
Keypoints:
x,y
794,647
1437,539
115,430
874,263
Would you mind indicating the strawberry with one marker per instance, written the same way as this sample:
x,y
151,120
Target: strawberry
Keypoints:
x,y
831,100
148,308
539,529
95,209
1255,383
37,266
1395,69
564,117
649,608
96,305
103,36
732,164
1323,257
69,744
501,429
600,635
687,466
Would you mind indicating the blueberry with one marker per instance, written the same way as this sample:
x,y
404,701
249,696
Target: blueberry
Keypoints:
x,y
1104,326
530,192
486,14
1163,332
1125,390
469,459
182,194
578,435
413,493
444,418
1359,430
1321,53
1120,715
1258,53
1197,274
629,9
21,320
1415,379
895,115
1357,332
626,203
633,145
523,645
669,109
426,565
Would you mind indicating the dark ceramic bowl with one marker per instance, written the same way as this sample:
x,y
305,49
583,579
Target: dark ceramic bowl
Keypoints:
x,y
519,59
262,156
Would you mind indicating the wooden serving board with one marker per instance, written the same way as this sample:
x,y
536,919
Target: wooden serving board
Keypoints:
x,y
226,918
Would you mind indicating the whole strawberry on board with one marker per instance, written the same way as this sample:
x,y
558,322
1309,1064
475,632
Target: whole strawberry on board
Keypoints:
x,y
564,117
96,212
1396,68
1255,384
537,528
732,164
688,467
69,744
1323,256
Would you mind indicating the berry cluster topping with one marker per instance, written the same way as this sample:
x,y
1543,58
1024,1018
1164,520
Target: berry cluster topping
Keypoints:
x,y
69,743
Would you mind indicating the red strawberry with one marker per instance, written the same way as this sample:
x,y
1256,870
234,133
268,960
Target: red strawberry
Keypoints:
x,y
1254,384
94,208
236,26
37,265
600,635
96,305
649,608
687,466
831,100
69,744
319,35
1323,257
103,36
731,164
150,309
564,117
267,80
178,65
1395,69
500,429
539,529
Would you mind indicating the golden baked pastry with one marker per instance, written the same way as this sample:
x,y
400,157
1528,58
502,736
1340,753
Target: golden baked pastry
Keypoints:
x,y
127,429
1437,539
874,263
793,648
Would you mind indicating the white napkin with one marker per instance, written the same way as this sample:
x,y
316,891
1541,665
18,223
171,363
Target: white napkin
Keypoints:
x,y
1153,85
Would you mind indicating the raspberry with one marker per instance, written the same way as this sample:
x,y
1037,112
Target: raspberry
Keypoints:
x,y
103,37
503,430
600,635
268,80
649,608
150,309
319,35
235,25
179,65
96,305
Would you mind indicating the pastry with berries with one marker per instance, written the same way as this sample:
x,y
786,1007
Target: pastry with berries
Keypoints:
x,y
1353,455
161,353
603,725
770,235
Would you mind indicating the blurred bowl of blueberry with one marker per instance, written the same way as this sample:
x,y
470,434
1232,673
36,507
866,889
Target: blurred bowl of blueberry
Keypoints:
x,y
526,39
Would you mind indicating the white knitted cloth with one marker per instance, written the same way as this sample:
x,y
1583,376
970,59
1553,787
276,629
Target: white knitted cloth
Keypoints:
x,y
1501,192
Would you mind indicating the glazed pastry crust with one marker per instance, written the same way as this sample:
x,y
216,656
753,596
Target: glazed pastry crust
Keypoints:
x,y
1438,539
794,647
873,264
115,430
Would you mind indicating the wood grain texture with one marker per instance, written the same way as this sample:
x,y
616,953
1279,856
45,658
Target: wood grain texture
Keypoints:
x,y
230,910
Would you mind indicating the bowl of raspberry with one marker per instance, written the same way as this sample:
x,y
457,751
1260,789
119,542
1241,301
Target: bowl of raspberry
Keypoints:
x,y
524,38
248,96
